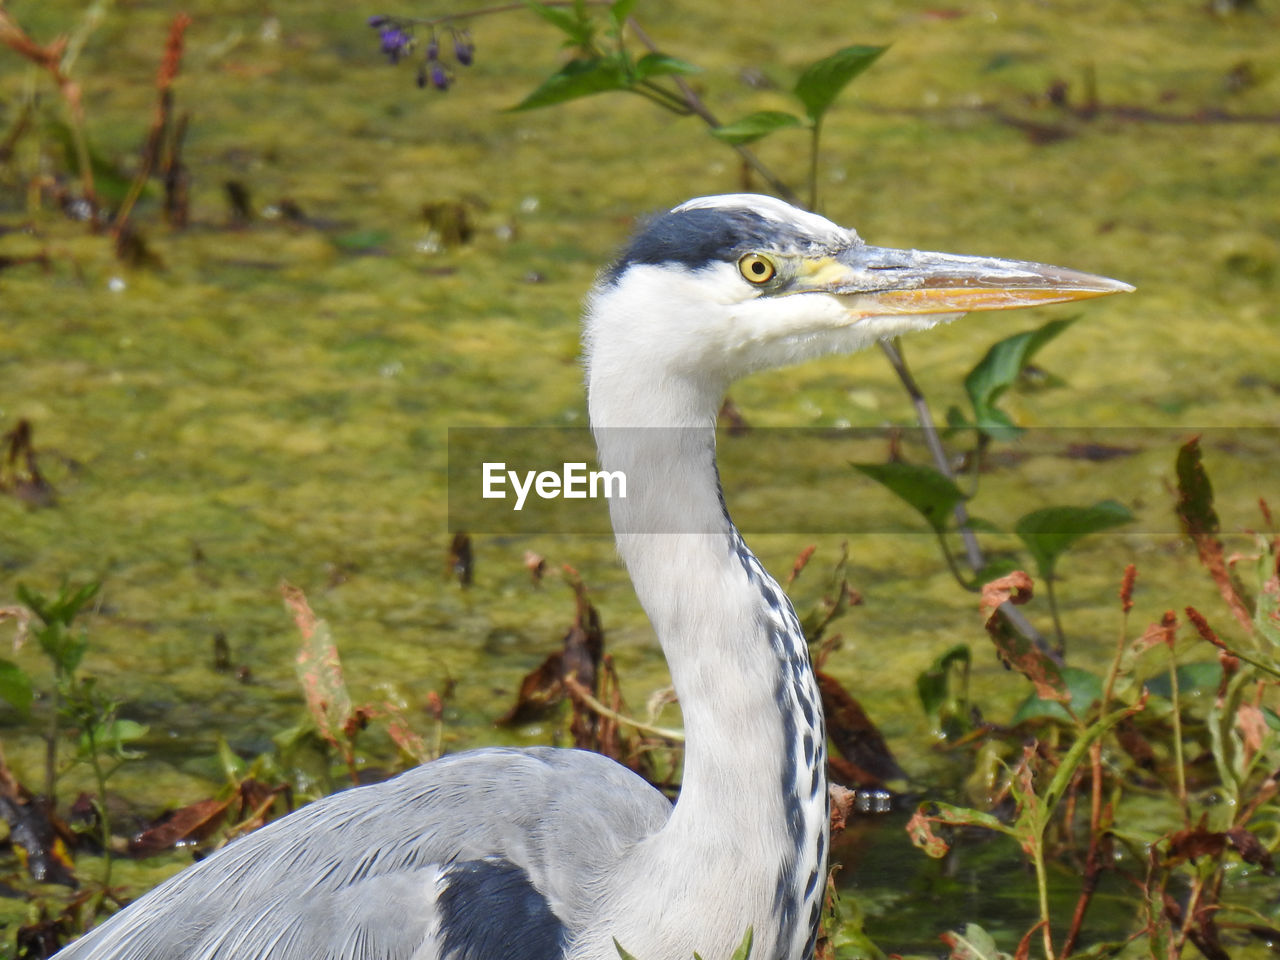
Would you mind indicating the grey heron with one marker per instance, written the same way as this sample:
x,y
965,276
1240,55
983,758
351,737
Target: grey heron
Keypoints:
x,y
546,854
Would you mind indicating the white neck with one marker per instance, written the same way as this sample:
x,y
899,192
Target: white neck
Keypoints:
x,y
753,804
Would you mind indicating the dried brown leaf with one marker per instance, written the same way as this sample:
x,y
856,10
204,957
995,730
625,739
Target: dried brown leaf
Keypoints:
x,y
1251,849
1016,588
1156,634
540,690
536,564
1253,727
802,561
1200,522
190,824
868,760
319,671
461,562
1015,650
841,806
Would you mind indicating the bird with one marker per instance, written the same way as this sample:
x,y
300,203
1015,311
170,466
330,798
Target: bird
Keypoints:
x,y
556,854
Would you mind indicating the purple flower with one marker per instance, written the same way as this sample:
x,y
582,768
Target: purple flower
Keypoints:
x,y
439,78
395,42
463,48
378,20
433,49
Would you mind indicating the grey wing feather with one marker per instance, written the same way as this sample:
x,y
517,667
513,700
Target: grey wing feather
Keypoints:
x,y
356,875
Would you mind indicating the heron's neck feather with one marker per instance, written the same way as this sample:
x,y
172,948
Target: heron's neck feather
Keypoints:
x,y
754,800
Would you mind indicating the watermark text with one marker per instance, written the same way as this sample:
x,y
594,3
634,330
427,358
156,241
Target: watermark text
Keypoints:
x,y
573,482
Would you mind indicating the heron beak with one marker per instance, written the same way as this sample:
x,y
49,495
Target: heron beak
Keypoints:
x,y
881,281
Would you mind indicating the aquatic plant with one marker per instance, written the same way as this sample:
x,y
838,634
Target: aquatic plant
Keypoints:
x,y
103,739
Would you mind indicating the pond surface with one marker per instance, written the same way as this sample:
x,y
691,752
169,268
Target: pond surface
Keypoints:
x,y
272,402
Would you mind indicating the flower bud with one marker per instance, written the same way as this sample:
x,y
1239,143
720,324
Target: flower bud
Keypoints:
x,y
463,48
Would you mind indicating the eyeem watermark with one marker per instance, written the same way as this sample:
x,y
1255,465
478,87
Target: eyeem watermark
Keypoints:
x,y
545,480
573,482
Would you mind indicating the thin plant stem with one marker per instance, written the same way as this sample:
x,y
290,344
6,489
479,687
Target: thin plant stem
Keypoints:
x,y
815,137
580,692
493,10
685,103
1180,770
51,758
1190,911
49,57
663,98
1093,859
1042,886
89,22
893,351
104,818
1108,688
973,552
1052,596
952,565
700,109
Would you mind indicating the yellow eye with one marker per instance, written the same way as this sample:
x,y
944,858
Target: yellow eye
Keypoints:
x,y
756,268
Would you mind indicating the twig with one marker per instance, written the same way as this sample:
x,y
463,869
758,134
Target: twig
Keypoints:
x,y
177,203
580,692
1093,860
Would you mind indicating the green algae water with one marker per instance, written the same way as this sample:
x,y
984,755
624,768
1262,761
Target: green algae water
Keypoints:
x,y
270,400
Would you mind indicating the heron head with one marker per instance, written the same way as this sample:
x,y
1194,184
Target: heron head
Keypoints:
x,y
721,286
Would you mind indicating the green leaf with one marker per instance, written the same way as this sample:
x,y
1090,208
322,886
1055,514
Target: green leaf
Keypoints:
x,y
111,736
64,648
1193,678
621,953
233,767
974,944
933,685
1035,817
996,566
754,126
619,10
1084,687
1049,532
578,78
822,81
111,183
744,948
954,816
15,687
659,64
999,369
930,493
61,610
577,27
